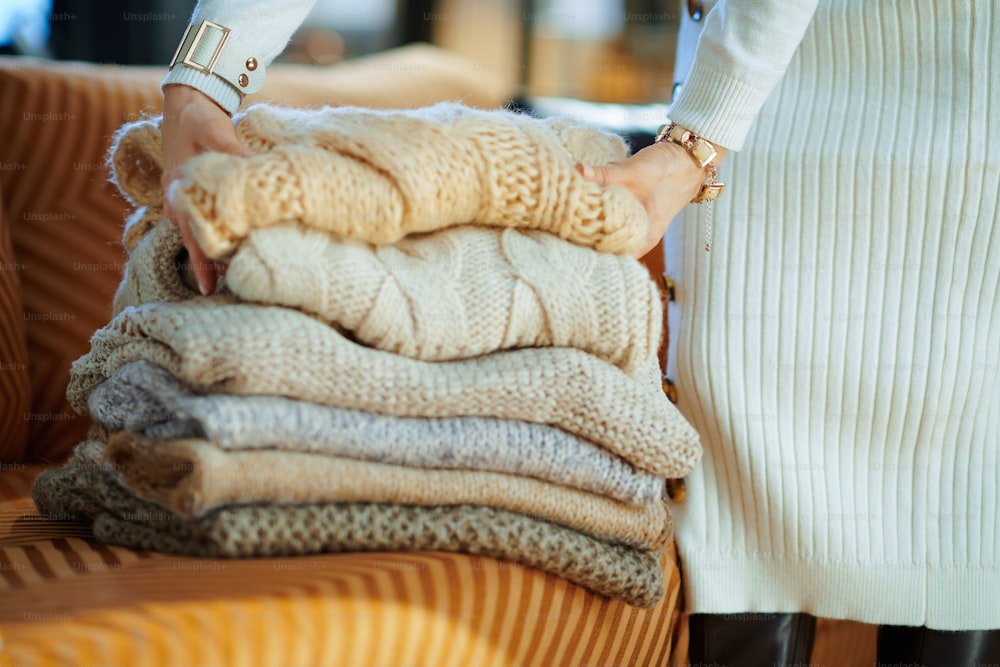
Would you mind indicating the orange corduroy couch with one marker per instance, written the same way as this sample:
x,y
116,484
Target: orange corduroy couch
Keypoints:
x,y
69,600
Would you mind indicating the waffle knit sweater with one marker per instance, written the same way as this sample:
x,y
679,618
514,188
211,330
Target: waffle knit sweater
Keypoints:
x,y
144,398
378,176
838,348
87,487
216,346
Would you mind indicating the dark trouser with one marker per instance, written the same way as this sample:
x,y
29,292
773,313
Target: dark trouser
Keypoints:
x,y
786,640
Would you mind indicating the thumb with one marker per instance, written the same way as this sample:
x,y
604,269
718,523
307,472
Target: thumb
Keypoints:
x,y
602,175
228,143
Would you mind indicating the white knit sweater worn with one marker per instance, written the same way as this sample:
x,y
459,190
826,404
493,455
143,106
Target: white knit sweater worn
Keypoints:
x,y
264,26
837,350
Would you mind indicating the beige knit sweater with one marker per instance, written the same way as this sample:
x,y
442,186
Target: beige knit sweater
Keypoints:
x,y
193,477
215,345
158,268
378,176
87,488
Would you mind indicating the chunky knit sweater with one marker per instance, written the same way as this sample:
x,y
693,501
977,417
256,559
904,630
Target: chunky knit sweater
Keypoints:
x,y
216,346
380,175
88,488
144,398
193,477
451,294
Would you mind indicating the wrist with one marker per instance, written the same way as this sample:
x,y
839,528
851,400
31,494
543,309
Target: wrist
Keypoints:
x,y
706,156
703,154
213,59
181,92
180,98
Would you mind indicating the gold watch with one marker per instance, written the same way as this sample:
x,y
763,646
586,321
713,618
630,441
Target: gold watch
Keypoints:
x,y
701,151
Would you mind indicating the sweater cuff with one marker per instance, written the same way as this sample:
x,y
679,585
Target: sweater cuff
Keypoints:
x,y
717,107
215,87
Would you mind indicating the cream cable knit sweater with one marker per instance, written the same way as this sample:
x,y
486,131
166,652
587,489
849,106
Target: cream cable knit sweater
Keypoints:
x,y
451,294
193,477
459,292
378,176
214,345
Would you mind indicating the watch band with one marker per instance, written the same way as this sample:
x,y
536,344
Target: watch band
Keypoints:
x,y
703,153
214,61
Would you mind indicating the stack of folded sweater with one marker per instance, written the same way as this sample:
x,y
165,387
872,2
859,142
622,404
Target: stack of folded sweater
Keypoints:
x,y
426,338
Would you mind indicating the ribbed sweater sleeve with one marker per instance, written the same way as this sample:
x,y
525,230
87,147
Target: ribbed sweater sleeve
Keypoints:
x,y
743,52
263,25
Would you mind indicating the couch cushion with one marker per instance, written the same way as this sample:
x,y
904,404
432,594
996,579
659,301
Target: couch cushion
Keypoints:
x,y
56,119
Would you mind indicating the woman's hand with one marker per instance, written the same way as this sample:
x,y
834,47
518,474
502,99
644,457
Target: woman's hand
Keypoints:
x,y
193,124
662,177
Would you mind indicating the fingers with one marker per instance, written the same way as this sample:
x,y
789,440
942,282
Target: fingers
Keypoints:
x,y
651,242
226,142
204,270
602,175
193,124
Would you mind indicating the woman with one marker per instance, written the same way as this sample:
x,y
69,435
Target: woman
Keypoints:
x,y
837,348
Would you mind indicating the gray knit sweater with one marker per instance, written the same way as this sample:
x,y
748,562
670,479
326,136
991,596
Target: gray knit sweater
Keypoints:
x,y
145,398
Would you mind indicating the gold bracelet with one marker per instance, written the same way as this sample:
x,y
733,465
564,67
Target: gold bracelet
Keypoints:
x,y
703,153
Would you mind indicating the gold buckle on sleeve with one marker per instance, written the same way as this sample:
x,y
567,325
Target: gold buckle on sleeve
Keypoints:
x,y
188,58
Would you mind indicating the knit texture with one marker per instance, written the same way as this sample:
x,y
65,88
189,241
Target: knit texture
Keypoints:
x,y
452,294
87,488
838,348
193,477
216,346
158,268
144,398
459,293
378,176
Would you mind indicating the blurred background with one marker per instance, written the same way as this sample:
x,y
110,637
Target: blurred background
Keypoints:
x,y
610,51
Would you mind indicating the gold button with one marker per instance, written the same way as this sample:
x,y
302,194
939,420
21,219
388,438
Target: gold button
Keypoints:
x,y
670,286
670,389
677,490
243,79
251,64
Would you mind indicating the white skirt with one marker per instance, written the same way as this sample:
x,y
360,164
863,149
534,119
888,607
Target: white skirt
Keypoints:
x,y
839,347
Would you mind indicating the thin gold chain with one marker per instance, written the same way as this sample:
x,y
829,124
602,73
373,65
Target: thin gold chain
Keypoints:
x,y
708,226
712,180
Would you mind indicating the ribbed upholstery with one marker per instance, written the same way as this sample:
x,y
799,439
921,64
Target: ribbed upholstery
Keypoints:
x,y
69,600
838,348
56,121
15,388
64,221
